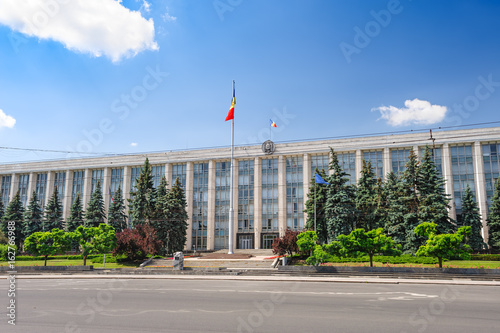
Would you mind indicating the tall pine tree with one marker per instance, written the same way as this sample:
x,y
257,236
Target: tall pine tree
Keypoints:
x,y
95,213
13,217
434,202
472,218
142,199
116,212
494,219
177,217
320,191
340,208
33,216
367,199
76,215
53,213
395,218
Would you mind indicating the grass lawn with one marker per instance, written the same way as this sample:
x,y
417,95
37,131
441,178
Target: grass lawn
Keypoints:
x,y
65,262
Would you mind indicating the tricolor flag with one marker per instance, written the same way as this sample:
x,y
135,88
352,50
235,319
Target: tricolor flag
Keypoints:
x,y
111,196
230,115
273,124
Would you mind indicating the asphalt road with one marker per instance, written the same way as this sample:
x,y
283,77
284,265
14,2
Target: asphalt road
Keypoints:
x,y
104,305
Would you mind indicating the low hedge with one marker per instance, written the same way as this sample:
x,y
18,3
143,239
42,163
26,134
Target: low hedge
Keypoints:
x,y
404,259
485,257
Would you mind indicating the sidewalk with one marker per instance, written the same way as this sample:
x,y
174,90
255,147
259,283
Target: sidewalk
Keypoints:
x,y
464,281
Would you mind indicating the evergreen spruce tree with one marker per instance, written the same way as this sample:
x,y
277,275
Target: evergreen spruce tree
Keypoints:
x,y
177,217
2,209
76,215
320,190
434,202
494,219
472,218
116,212
95,213
340,207
53,213
142,200
396,208
33,216
411,200
367,199
13,217
381,209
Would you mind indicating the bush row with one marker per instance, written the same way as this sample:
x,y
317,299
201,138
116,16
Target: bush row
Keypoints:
x,y
486,257
404,259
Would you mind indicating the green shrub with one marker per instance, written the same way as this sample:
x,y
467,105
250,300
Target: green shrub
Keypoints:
x,y
486,257
4,251
100,259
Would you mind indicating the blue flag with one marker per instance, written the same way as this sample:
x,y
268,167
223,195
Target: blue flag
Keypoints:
x,y
319,180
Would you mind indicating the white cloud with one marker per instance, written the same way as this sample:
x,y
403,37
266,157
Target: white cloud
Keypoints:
x,y
133,144
168,18
98,27
6,121
415,112
146,6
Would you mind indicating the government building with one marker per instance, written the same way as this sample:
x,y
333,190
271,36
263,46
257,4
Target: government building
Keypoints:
x,y
271,181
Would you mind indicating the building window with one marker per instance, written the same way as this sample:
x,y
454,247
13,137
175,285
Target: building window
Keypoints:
x,y
222,197
200,206
134,175
491,159
158,172
270,195
347,162
399,158
462,170
78,181
41,188
179,171
320,162
116,180
376,158
23,188
267,240
60,184
245,195
6,180
294,194
97,177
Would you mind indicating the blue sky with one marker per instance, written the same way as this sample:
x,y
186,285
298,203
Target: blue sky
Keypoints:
x,y
103,76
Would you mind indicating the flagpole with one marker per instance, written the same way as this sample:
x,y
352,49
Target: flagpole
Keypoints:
x,y
231,209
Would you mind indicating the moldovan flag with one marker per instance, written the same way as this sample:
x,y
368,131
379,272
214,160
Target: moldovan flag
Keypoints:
x,y
273,124
230,115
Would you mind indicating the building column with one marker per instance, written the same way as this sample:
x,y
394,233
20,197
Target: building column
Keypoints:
x,y
68,191
211,206
448,176
189,200
387,161
50,187
480,181
257,201
282,194
31,187
358,164
106,183
168,175
235,203
87,188
13,187
306,181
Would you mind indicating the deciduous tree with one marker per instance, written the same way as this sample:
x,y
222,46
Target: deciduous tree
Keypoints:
x,y
47,243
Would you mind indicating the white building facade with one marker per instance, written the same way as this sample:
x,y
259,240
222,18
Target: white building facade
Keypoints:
x,y
270,188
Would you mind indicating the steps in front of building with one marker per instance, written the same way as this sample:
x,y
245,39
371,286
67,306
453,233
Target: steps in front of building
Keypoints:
x,y
253,252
